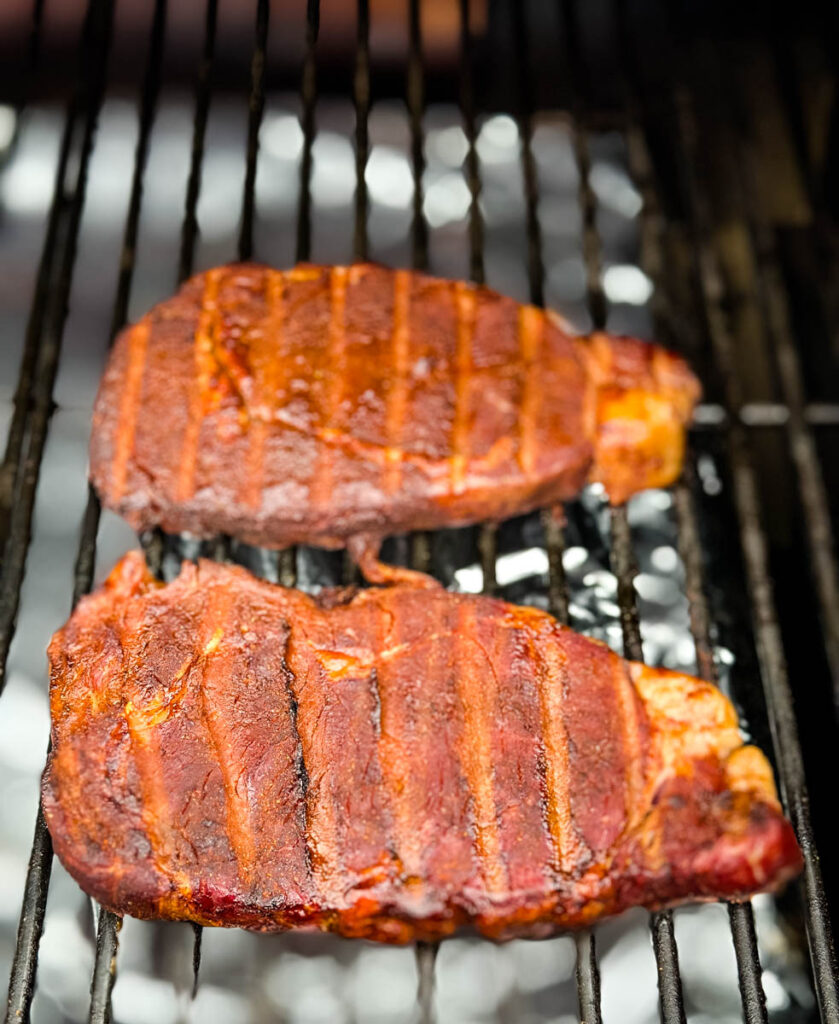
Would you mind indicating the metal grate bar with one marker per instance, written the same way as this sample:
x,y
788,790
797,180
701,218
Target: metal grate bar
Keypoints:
x,y
361,96
189,232
524,120
749,971
256,105
576,76
766,414
308,94
587,970
587,975
671,1003
741,916
794,108
753,540
25,963
33,396
147,109
34,44
473,180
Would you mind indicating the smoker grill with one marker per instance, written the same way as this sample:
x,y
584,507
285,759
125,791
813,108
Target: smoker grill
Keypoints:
x,y
739,302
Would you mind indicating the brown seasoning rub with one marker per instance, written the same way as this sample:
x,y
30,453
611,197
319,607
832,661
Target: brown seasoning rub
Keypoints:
x,y
392,764
336,405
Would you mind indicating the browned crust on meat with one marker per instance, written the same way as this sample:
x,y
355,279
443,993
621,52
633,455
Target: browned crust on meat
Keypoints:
x,y
394,764
322,403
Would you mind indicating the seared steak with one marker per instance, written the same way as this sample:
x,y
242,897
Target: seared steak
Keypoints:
x,y
391,763
324,404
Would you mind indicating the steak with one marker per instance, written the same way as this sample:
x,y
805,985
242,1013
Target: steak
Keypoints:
x,y
390,763
327,405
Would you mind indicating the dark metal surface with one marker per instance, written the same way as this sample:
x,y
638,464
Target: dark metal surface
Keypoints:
x,y
415,99
105,967
25,963
33,405
361,98
308,95
770,647
426,959
189,231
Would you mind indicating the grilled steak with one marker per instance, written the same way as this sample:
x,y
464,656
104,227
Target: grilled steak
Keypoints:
x,y
324,404
392,763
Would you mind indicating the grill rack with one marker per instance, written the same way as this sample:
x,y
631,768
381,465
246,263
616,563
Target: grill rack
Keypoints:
x,y
33,406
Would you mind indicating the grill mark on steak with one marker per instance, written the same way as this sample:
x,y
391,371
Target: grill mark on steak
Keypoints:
x,y
397,388
153,796
531,325
478,698
464,299
571,851
323,484
209,323
216,671
267,354
129,406
635,754
301,774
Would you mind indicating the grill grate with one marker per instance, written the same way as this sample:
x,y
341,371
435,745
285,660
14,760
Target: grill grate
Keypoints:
x,y
34,398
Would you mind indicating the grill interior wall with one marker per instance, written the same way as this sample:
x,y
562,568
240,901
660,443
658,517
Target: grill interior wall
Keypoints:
x,y
728,140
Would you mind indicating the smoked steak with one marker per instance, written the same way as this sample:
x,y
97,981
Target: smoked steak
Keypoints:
x,y
391,763
336,405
